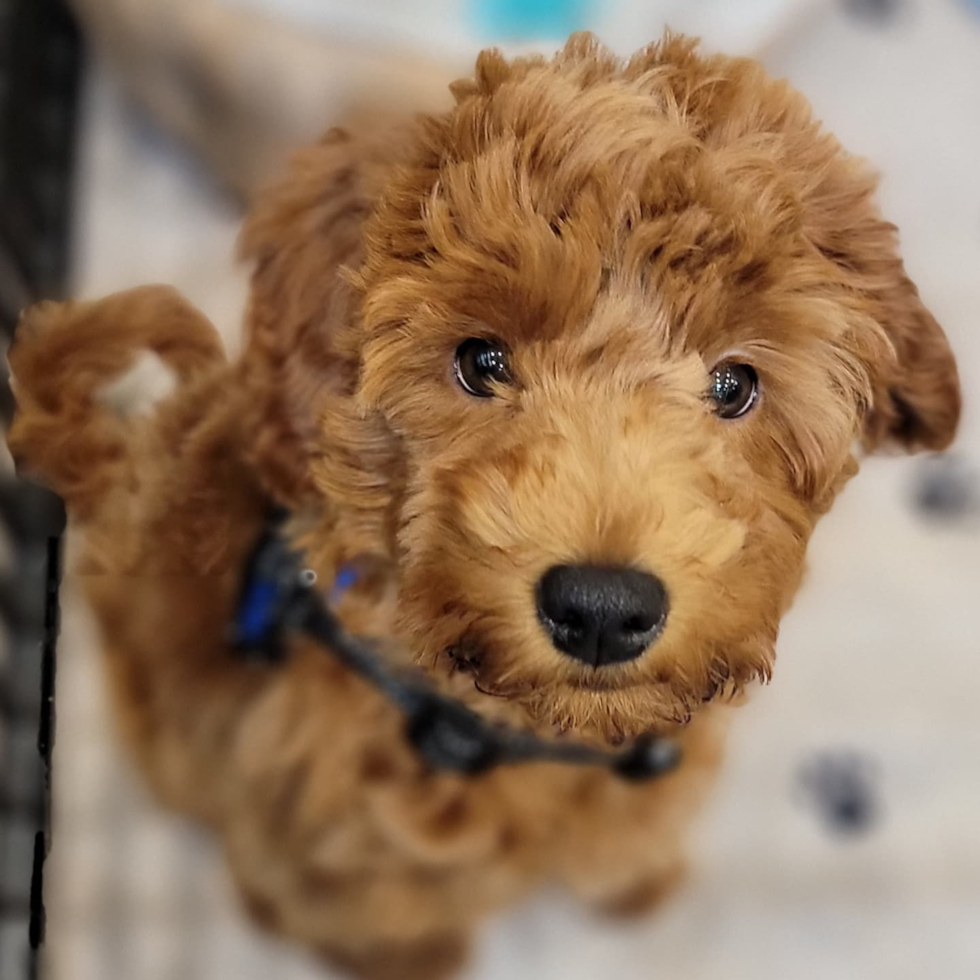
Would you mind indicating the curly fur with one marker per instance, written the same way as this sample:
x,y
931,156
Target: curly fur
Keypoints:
x,y
621,227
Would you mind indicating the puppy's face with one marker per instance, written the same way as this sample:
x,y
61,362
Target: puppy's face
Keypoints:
x,y
624,325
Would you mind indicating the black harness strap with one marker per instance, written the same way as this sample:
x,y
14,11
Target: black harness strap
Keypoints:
x,y
278,598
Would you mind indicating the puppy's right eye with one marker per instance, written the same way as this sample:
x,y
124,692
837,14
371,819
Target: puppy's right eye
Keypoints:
x,y
481,365
734,389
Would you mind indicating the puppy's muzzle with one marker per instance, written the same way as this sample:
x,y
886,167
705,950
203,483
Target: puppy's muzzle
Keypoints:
x,y
601,615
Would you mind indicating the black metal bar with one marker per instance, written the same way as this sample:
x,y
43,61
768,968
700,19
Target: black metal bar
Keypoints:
x,y
40,72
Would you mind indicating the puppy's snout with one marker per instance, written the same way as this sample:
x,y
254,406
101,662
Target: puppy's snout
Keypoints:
x,y
601,615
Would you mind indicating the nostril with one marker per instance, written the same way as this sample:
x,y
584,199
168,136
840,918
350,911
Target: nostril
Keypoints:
x,y
639,624
570,619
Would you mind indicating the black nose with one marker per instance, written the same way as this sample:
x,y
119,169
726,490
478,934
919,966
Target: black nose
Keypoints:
x,y
601,615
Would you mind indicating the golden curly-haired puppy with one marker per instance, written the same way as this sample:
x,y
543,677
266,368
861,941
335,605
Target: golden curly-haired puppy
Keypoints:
x,y
571,371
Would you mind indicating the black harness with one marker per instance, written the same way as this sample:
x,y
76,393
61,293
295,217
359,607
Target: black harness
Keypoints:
x,y
278,598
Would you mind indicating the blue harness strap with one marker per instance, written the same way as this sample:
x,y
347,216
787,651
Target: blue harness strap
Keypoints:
x,y
268,591
257,611
347,576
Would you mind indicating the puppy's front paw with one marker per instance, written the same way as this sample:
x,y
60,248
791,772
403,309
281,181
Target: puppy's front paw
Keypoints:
x,y
434,958
645,895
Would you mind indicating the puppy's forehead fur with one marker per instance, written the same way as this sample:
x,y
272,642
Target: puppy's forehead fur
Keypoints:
x,y
577,171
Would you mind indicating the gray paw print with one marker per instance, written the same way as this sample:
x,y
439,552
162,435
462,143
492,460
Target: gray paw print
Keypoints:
x,y
946,488
841,788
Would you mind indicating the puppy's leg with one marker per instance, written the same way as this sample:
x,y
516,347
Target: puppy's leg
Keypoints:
x,y
436,957
627,846
623,871
646,895
85,375
127,409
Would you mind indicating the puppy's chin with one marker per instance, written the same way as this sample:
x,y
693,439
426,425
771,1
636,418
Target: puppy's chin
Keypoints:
x,y
599,711
613,715
555,696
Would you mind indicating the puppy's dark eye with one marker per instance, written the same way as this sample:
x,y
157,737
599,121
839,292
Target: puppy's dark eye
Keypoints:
x,y
481,365
734,389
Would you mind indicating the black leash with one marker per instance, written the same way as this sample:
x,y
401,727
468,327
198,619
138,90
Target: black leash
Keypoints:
x,y
278,598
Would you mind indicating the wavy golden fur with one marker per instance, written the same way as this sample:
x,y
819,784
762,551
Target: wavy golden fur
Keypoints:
x,y
621,228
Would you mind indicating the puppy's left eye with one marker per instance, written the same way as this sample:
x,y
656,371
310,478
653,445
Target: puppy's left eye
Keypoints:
x,y
734,389
481,365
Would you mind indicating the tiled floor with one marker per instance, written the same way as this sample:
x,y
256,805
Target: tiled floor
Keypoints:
x,y
880,657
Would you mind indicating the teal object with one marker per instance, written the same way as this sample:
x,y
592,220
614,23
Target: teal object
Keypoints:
x,y
524,20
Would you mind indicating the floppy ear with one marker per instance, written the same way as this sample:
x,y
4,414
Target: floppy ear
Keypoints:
x,y
915,389
302,348
917,398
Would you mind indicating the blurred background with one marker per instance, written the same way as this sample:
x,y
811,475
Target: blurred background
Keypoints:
x,y
844,839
